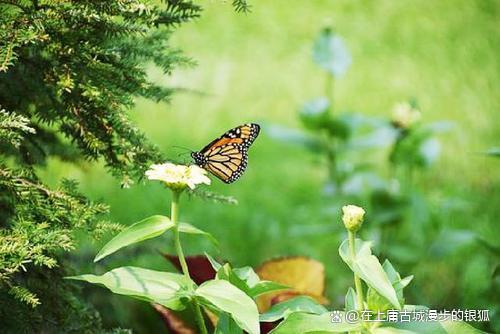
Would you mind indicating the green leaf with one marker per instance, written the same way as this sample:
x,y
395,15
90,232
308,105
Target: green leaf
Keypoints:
x,y
248,275
369,269
216,265
435,327
302,323
330,53
190,229
419,327
391,330
405,281
264,287
245,279
493,151
227,325
461,327
376,302
396,280
429,151
228,298
295,137
351,301
412,307
227,273
159,287
314,114
145,229
297,304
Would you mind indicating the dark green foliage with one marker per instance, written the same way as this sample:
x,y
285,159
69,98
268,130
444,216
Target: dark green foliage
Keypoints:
x,y
69,71
241,6
83,63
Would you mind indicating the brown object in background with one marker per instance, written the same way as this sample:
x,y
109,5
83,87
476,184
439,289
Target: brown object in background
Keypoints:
x,y
304,275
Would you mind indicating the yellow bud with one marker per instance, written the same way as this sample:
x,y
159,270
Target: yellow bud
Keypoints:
x,y
405,115
352,216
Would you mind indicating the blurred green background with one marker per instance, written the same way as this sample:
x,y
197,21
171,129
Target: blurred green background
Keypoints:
x,y
257,67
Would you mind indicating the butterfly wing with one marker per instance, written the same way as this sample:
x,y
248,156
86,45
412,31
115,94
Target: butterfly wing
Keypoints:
x,y
226,157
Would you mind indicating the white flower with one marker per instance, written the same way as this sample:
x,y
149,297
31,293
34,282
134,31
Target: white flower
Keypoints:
x,y
178,176
404,115
352,217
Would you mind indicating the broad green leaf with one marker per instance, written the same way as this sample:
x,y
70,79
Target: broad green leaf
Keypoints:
x,y
227,273
461,327
396,280
420,327
248,275
228,298
380,304
264,287
382,136
412,307
303,323
295,137
145,229
430,150
391,330
339,127
190,229
493,151
245,279
351,301
227,325
298,304
314,114
437,327
163,288
369,269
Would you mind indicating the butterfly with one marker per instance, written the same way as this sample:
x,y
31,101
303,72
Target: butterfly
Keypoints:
x,y
226,157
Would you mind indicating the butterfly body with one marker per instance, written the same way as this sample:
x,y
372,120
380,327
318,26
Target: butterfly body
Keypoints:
x,y
226,157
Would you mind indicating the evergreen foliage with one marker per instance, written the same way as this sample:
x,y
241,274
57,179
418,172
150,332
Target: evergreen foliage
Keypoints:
x,y
69,72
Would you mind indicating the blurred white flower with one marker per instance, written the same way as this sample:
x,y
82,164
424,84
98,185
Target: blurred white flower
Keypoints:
x,y
352,217
178,176
404,115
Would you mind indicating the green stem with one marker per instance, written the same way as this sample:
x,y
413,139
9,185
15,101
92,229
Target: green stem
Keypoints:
x,y
329,90
357,280
174,216
330,140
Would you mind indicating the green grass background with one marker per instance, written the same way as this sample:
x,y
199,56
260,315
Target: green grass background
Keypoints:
x,y
257,67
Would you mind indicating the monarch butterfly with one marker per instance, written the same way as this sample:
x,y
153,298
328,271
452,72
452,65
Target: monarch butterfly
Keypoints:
x,y
226,157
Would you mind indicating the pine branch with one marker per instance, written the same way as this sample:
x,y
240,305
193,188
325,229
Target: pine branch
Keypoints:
x,y
13,127
241,6
24,295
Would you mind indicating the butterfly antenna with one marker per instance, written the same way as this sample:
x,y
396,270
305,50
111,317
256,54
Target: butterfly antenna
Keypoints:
x,y
184,148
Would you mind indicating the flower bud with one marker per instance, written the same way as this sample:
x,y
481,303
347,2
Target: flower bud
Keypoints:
x,y
352,216
405,115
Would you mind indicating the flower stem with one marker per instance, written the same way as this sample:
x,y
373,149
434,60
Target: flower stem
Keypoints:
x,y
331,140
329,90
174,213
357,280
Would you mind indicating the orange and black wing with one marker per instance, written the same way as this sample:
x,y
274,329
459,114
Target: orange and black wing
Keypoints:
x,y
226,157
